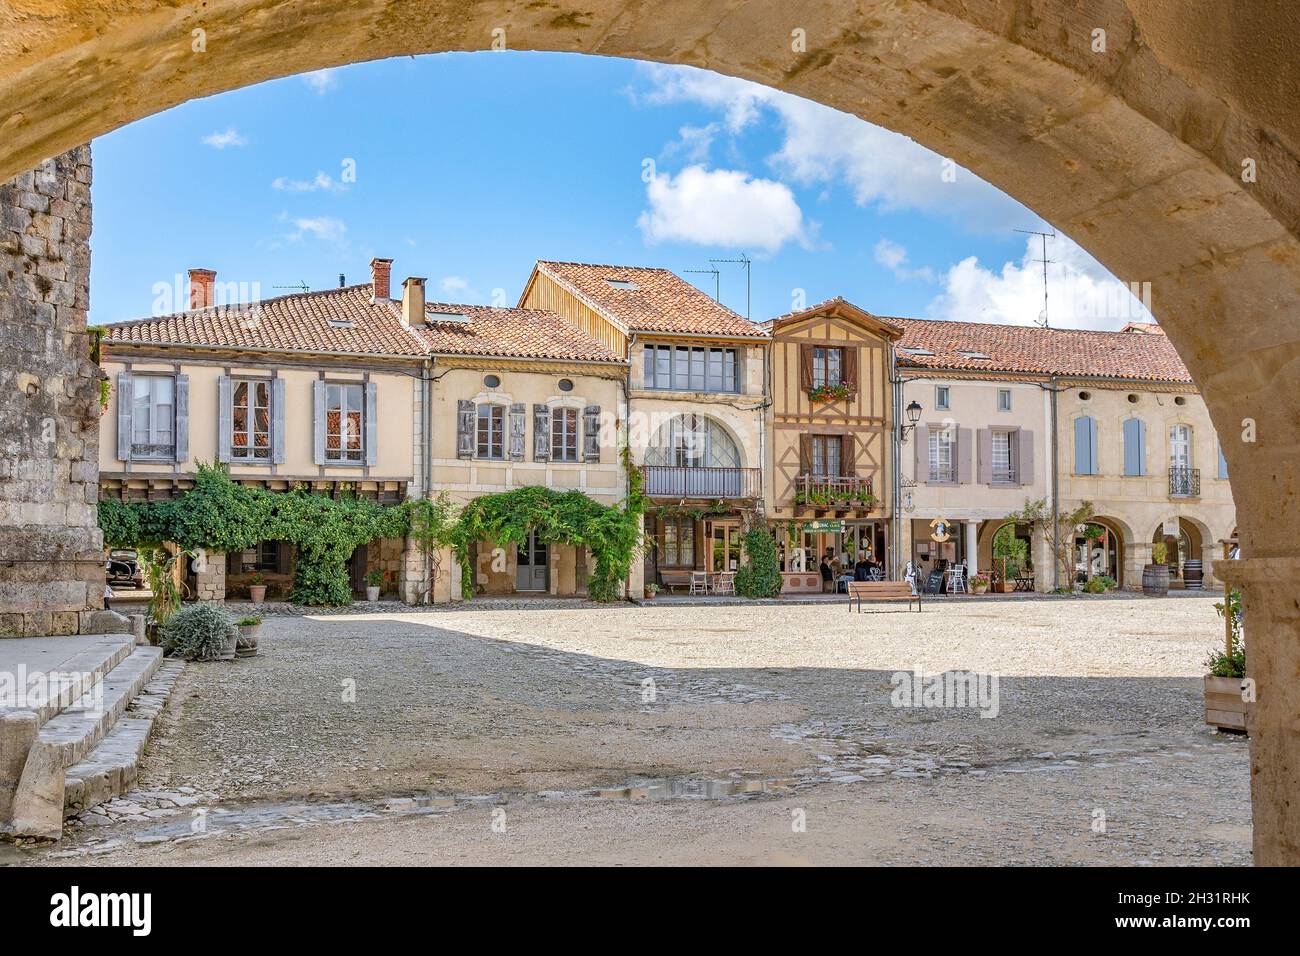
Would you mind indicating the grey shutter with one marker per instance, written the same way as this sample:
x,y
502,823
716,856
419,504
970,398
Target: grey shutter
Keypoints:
x,y
518,430
318,421
921,454
1085,444
541,433
1093,457
371,424
962,451
465,429
591,433
984,461
1142,447
224,418
125,403
1132,447
277,421
1025,456
182,418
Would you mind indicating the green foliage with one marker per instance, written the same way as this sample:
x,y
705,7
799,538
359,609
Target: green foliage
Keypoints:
x,y
1230,662
250,621
1015,550
375,578
1037,512
120,523
761,577
159,568
1100,584
197,632
1159,552
830,393
827,499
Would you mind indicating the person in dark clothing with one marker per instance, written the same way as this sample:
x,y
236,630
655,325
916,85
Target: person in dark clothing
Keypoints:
x,y
828,573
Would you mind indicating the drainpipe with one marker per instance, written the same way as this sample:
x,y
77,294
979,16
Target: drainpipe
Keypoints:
x,y
895,446
1056,507
426,465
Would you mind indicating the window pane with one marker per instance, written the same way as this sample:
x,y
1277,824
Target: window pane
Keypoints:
x,y
681,367
834,362
832,456
730,369
649,366
819,367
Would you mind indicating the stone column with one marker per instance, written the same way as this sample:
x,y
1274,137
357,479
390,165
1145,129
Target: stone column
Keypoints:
x,y
972,546
1040,543
636,578
412,581
210,583
1137,555
51,549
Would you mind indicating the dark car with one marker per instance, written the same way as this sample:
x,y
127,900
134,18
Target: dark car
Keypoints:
x,y
124,569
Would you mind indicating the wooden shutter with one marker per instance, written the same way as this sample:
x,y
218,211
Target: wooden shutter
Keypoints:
x,y
805,454
277,421
318,421
1083,464
848,455
518,429
225,419
984,456
370,426
849,367
591,433
921,454
541,432
182,418
962,451
1132,447
1025,456
805,367
465,415
697,529
125,403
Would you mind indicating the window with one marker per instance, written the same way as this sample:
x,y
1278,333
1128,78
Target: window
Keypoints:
x,y
1004,456
693,441
491,431
1004,399
826,455
344,439
942,441
564,434
678,548
566,384
153,417
268,556
941,397
492,381
1180,446
827,366
250,420
622,284
692,369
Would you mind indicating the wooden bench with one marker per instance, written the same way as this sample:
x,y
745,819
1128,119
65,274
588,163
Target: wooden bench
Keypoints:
x,y
882,591
675,579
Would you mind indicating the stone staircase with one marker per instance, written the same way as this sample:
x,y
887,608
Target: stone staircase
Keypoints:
x,y
83,746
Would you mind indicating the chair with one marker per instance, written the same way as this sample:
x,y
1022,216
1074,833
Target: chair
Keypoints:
x,y
876,575
699,582
956,581
726,583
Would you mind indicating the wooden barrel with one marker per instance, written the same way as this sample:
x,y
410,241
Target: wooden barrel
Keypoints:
x,y
1155,579
1193,575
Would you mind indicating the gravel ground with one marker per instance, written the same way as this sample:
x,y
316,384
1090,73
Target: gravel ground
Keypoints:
x,y
534,708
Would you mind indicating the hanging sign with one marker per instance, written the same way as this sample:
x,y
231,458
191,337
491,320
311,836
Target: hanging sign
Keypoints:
x,y
1171,527
939,530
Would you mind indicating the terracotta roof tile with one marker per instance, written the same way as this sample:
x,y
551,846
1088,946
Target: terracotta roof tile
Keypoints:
x,y
657,301
830,305
1022,348
509,333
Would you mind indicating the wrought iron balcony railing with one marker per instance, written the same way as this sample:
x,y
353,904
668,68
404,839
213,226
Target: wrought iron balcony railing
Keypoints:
x,y
834,491
1184,482
676,481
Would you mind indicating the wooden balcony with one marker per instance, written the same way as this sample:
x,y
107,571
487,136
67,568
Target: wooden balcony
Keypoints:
x,y
834,491
675,481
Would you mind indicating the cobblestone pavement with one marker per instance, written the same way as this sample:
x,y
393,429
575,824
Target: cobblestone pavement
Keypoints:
x,y
684,734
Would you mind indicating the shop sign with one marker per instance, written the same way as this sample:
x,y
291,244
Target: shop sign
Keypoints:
x,y
824,526
939,530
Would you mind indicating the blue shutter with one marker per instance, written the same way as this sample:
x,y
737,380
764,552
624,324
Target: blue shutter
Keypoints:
x,y
1134,447
1223,463
1093,458
1142,447
1082,447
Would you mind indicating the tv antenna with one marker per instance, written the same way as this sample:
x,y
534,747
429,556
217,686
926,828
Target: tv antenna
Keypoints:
x,y
744,261
717,280
301,286
1042,318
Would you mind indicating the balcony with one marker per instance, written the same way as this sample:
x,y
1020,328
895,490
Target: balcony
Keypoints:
x,y
1184,482
831,491
675,481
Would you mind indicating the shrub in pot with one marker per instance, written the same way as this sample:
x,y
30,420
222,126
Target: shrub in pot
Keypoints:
x,y
250,630
1226,701
1155,576
979,583
374,580
200,632
257,589
650,591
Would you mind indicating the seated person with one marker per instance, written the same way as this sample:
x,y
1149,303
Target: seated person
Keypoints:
x,y
862,569
828,573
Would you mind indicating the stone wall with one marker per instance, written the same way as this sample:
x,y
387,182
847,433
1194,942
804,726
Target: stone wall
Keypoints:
x,y
51,549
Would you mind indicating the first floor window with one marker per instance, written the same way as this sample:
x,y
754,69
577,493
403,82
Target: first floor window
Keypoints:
x,y
1004,399
941,454
564,434
827,366
268,556
826,455
1004,469
491,431
344,440
153,417
678,549
250,420
941,396
692,369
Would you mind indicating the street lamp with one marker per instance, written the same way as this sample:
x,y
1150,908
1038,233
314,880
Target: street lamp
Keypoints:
x,y
913,416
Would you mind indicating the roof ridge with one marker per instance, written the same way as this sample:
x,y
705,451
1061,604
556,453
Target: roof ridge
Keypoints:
x,y
243,306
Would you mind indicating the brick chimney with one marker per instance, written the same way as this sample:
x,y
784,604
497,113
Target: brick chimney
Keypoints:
x,y
202,288
380,273
413,302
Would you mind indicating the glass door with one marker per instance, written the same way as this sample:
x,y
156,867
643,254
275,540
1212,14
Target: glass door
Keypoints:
x,y
724,546
532,567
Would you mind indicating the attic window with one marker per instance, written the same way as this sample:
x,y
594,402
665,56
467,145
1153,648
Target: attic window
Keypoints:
x,y
622,284
341,324
974,355
914,350
434,316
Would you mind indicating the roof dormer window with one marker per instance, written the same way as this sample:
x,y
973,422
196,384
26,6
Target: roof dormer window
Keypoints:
x,y
432,315
622,284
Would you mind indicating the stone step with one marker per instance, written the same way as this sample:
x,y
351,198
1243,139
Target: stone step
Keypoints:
x,y
111,768
67,738
95,656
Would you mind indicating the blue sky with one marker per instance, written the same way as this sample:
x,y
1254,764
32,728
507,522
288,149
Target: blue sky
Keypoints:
x,y
468,167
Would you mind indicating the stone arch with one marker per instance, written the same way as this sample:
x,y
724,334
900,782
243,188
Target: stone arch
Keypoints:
x,y
1170,153
1117,553
716,443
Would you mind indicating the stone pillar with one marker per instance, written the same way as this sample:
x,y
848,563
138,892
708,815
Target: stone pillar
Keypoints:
x,y
412,582
210,583
972,546
1040,543
1136,556
51,548
636,577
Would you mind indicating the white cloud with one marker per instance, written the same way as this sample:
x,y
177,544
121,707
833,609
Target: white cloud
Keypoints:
x,y
324,228
1081,293
231,137
322,182
453,285
894,258
321,81
720,207
692,144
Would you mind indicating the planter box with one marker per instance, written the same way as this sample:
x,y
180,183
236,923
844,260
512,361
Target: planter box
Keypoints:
x,y
1224,707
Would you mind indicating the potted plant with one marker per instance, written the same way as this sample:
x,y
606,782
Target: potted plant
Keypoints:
x,y
979,583
200,632
830,393
1155,576
374,580
1227,701
250,628
257,588
651,589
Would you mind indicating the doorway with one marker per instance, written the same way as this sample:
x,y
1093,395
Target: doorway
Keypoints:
x,y
724,546
532,566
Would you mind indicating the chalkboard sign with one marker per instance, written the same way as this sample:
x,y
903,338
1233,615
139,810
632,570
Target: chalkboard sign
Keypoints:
x,y
934,583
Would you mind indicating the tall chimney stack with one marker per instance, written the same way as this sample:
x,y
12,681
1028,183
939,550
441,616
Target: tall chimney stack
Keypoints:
x,y
380,272
202,288
413,302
